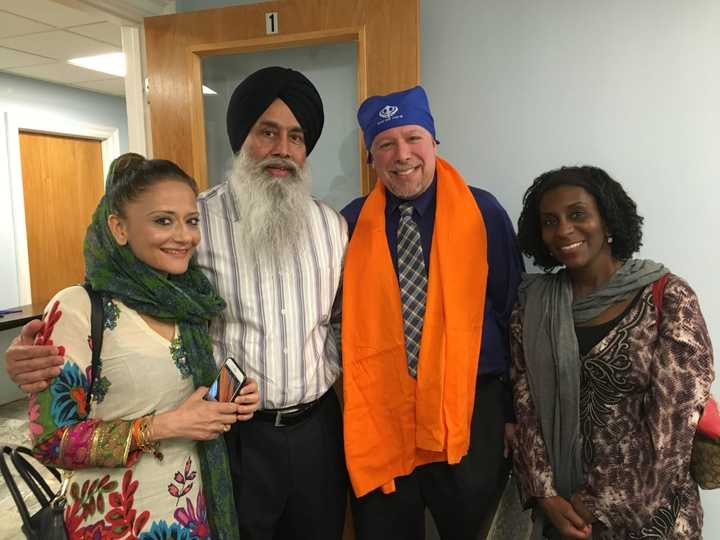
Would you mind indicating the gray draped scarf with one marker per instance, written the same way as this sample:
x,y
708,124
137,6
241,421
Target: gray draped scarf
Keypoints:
x,y
552,359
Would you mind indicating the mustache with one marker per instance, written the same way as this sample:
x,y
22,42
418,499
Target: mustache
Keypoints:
x,y
288,164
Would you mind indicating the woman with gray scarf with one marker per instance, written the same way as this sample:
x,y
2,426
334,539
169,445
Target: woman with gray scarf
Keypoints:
x,y
609,384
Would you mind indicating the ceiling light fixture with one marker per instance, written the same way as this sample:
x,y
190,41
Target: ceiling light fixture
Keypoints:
x,y
112,63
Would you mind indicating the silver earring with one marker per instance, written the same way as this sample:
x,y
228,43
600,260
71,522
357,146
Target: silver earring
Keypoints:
x,y
610,239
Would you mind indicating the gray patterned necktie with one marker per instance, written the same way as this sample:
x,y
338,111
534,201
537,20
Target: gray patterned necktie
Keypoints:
x,y
413,283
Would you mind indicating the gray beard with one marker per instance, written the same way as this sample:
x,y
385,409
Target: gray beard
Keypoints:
x,y
273,211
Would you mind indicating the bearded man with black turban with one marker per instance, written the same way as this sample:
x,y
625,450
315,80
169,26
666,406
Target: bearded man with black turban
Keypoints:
x,y
275,255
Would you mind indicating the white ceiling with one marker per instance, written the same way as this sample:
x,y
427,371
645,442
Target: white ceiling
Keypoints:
x,y
37,37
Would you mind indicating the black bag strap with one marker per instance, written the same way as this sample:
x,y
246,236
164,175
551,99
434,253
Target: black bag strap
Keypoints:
x,y
32,477
37,484
12,487
97,320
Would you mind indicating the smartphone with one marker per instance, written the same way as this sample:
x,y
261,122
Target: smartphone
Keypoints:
x,y
228,382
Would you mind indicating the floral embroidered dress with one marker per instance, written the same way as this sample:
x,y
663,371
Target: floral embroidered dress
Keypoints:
x,y
115,493
641,392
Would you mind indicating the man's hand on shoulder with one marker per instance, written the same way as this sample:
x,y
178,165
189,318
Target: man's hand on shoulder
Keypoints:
x,y
32,367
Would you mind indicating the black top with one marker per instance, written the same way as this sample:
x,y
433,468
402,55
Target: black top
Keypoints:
x,y
589,336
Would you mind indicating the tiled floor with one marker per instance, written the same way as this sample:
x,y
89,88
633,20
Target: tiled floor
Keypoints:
x,y
14,431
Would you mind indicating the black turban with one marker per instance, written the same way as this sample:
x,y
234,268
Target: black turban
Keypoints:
x,y
255,94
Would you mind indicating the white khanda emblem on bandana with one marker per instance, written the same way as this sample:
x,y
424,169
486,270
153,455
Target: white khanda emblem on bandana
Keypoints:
x,y
388,111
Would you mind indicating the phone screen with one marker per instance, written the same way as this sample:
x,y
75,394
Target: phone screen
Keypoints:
x,y
227,384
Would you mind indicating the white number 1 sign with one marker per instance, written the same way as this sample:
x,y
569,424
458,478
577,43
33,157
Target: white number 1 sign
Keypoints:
x,y
271,23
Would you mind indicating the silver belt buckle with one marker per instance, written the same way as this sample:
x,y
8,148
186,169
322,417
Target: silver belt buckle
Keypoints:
x,y
280,413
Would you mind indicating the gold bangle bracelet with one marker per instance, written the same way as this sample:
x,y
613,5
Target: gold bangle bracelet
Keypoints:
x,y
145,441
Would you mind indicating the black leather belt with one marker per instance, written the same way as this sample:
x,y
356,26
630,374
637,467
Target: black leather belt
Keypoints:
x,y
288,416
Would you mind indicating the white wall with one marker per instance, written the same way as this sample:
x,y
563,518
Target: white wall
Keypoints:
x,y
8,265
21,96
520,87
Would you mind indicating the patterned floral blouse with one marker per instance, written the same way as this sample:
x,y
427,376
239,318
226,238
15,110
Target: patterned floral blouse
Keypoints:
x,y
642,391
114,493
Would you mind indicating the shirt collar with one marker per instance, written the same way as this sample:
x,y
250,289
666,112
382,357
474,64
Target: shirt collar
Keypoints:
x,y
421,204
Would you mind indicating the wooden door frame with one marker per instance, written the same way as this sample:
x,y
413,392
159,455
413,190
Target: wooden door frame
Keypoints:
x,y
11,124
176,45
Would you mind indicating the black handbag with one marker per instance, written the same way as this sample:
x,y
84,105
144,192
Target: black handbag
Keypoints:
x,y
48,523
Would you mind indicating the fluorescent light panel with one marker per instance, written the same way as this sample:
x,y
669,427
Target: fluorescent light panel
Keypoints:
x,y
112,63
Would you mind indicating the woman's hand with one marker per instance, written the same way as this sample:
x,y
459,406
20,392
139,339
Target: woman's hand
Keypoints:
x,y
564,517
32,367
581,509
248,400
195,419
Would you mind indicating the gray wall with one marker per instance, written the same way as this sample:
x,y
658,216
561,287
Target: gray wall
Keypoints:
x,y
72,103
334,161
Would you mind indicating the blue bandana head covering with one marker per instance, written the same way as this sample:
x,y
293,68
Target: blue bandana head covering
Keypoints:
x,y
409,107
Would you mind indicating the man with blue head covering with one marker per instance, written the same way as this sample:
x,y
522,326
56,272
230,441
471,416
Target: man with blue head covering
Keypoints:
x,y
429,282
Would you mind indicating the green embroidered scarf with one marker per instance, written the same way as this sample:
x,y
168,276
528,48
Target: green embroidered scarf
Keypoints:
x,y
191,301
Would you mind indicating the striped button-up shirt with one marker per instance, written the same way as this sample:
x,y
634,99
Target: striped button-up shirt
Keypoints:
x,y
277,320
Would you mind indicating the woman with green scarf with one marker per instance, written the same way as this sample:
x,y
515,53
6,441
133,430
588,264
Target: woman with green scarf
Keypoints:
x,y
147,459
612,366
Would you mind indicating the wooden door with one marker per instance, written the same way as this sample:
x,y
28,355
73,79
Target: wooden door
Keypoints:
x,y
387,33
62,184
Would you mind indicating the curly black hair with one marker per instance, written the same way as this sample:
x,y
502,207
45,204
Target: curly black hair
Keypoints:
x,y
617,209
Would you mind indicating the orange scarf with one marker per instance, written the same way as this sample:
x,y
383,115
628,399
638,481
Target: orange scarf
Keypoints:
x,y
394,423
